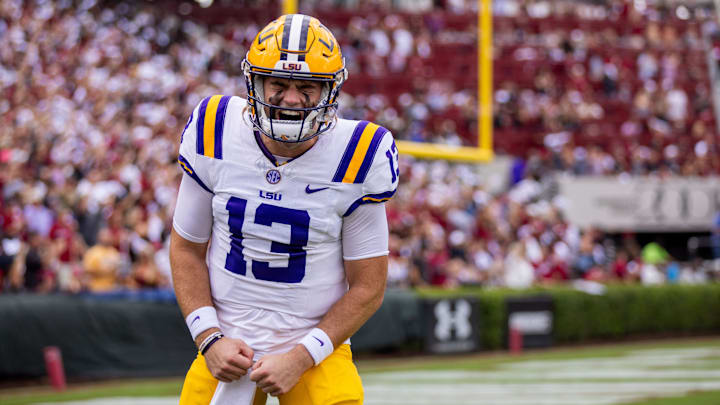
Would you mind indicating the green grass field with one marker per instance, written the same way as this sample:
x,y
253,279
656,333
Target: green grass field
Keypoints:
x,y
673,372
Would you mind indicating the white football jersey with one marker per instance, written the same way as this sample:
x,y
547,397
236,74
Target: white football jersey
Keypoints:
x,y
275,257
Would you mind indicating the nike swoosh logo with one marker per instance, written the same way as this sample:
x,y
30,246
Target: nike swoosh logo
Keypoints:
x,y
193,321
319,340
314,190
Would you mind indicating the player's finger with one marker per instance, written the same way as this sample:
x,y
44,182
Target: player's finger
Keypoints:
x,y
238,372
259,374
275,391
240,361
269,389
225,378
263,383
221,377
245,350
232,372
229,377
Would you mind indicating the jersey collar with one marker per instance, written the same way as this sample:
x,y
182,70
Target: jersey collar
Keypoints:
x,y
270,156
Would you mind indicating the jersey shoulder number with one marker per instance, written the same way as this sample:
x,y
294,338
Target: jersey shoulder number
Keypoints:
x,y
370,159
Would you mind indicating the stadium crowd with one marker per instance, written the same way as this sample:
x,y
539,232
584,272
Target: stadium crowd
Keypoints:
x,y
588,87
94,97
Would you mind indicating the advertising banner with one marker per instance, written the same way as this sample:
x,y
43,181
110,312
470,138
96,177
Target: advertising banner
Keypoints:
x,y
641,204
451,325
531,317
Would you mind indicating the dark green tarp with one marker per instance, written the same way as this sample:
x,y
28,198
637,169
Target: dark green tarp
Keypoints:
x,y
97,338
131,336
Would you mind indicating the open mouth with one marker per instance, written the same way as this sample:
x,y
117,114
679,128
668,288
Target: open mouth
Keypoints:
x,y
287,115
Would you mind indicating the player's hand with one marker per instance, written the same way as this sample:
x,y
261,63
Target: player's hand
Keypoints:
x,y
276,374
228,359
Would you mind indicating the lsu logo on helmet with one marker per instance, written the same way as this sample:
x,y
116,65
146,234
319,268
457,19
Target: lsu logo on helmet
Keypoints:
x,y
294,46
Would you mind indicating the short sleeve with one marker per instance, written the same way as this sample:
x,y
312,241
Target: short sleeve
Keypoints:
x,y
193,215
365,233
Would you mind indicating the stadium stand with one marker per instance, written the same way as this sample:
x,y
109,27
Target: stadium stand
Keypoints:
x,y
95,94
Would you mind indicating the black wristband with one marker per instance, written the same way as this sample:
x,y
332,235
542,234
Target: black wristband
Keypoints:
x,y
210,343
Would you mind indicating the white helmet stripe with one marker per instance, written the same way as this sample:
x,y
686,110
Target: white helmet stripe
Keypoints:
x,y
294,42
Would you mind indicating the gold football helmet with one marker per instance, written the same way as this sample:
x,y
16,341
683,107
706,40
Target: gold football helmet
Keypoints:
x,y
294,46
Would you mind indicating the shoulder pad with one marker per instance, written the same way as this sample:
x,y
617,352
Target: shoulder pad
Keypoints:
x,y
210,125
359,153
380,179
202,136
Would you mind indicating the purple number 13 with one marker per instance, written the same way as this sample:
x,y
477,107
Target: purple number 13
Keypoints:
x,y
267,214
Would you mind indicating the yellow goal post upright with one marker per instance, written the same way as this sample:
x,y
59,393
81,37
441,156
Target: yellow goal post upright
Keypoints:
x,y
483,152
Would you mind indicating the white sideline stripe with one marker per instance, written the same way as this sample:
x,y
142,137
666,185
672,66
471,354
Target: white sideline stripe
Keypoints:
x,y
481,400
531,390
134,401
121,401
567,375
645,357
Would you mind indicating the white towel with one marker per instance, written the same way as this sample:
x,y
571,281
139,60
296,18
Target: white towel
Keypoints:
x,y
239,392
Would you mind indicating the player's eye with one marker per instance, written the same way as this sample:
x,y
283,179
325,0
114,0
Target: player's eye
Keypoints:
x,y
309,90
278,86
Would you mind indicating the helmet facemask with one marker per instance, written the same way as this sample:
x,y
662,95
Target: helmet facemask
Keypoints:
x,y
313,121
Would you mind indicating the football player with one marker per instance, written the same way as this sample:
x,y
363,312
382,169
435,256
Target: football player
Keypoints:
x,y
280,238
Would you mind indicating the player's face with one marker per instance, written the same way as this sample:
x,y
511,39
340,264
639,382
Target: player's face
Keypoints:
x,y
291,93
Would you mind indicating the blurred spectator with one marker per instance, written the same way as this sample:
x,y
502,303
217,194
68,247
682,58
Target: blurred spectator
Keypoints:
x,y
145,273
624,268
102,264
653,253
518,271
31,268
70,247
655,259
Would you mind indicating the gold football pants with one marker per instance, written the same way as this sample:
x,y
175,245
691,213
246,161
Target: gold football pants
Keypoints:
x,y
335,381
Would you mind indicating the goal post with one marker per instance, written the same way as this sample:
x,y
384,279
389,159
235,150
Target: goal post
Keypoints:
x,y
483,152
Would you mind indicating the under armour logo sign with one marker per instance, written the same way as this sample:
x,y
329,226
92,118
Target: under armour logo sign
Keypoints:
x,y
448,320
319,340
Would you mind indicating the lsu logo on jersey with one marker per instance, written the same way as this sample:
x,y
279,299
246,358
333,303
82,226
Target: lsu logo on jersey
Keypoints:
x,y
269,195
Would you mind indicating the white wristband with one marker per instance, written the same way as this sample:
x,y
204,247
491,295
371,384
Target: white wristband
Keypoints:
x,y
318,344
201,320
